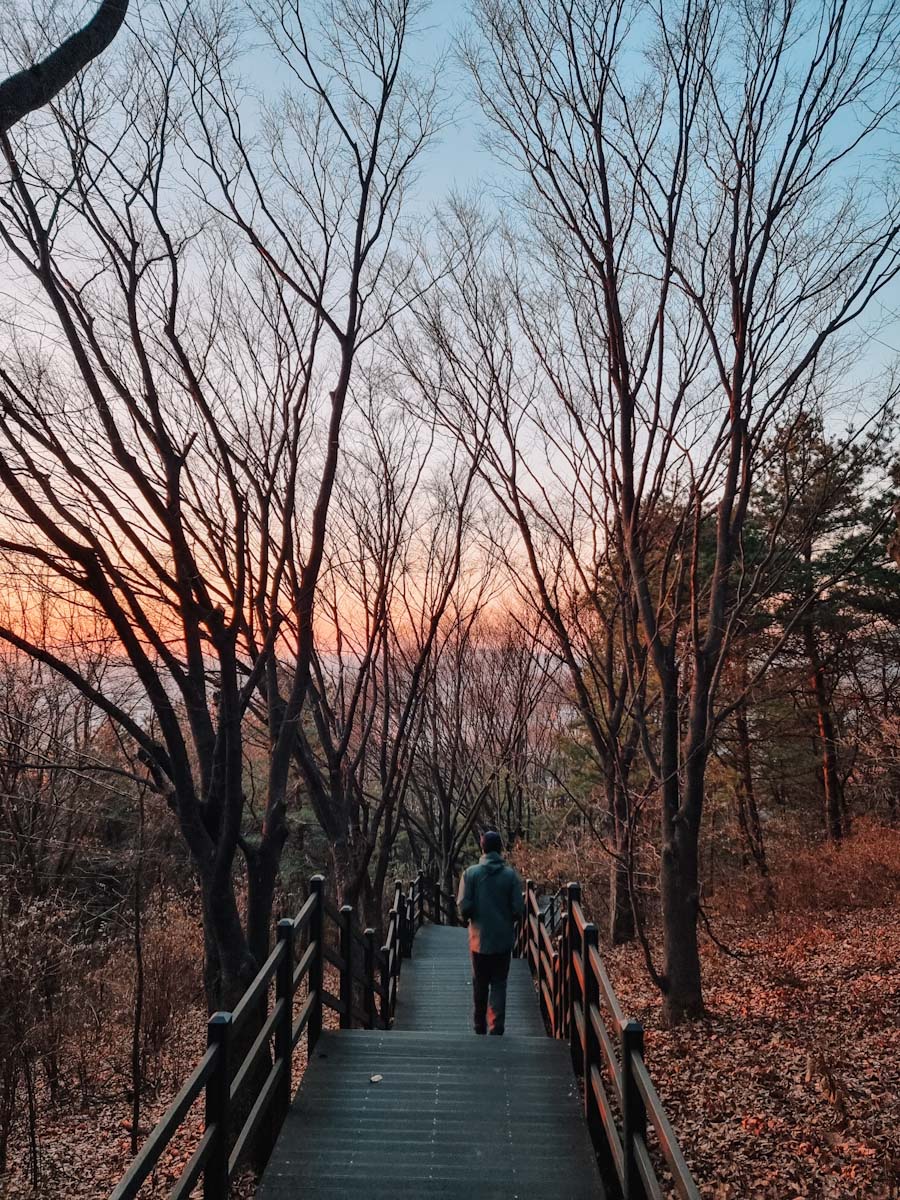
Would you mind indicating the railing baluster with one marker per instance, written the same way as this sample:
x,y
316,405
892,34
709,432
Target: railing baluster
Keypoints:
x,y
538,959
346,953
371,977
526,932
634,1112
384,957
564,976
316,966
573,892
284,1042
591,1051
218,1105
411,921
405,899
554,992
403,911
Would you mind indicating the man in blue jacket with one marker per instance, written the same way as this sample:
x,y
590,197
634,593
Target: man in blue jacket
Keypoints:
x,y
490,899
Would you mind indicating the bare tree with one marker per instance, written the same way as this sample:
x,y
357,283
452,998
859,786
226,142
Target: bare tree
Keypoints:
x,y
486,735
684,271
397,558
171,467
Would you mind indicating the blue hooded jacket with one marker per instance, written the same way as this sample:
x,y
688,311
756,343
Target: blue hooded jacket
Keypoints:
x,y
490,898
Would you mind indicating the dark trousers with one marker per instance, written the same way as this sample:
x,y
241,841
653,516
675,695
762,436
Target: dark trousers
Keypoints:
x,y
489,975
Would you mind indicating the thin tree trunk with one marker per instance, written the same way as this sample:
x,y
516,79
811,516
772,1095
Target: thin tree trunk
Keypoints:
x,y
34,1158
831,779
679,873
136,1073
680,894
9,1081
621,913
748,810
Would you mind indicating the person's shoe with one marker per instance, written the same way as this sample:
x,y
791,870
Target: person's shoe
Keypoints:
x,y
481,1030
496,1033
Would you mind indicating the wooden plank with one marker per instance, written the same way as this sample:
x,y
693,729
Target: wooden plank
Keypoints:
x,y
431,1109
436,987
451,1115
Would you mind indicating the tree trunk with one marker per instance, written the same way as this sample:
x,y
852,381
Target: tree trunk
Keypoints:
x,y
679,893
748,810
621,912
350,862
831,779
679,865
138,1012
262,875
229,969
229,966
446,877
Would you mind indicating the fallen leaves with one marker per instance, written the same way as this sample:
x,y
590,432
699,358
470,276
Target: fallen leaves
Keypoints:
x,y
789,1087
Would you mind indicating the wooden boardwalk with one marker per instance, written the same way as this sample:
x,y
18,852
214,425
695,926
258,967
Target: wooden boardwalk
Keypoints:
x,y
452,1116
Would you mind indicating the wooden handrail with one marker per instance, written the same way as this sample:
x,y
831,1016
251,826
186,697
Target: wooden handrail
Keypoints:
x,y
371,976
577,998
257,989
155,1145
303,916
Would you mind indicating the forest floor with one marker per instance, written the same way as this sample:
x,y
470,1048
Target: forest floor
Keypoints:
x,y
84,1149
789,1087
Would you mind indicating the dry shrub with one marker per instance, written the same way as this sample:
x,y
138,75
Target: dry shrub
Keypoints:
x,y
39,973
173,965
172,953
576,856
861,872
569,857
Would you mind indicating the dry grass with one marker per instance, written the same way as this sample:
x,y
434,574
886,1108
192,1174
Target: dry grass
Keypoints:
x,y
861,872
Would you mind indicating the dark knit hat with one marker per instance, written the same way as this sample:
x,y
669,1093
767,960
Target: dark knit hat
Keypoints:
x,y
491,842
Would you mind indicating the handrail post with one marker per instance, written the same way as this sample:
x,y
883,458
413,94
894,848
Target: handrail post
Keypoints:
x,y
384,972
314,976
218,1104
526,926
590,1049
634,1111
371,977
538,960
573,893
403,938
346,953
554,992
284,992
565,925
411,923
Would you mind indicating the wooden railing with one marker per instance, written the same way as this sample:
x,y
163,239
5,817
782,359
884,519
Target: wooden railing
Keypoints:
x,y
433,902
367,996
621,1105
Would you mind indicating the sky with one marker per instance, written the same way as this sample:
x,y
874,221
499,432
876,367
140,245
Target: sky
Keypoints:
x,y
459,162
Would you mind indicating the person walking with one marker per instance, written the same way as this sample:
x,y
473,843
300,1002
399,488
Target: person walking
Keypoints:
x,y
490,899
